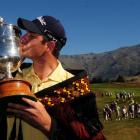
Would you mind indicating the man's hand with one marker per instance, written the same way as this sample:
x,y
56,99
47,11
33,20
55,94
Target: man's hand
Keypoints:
x,y
34,114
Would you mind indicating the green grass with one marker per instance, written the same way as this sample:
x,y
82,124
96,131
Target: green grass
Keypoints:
x,y
123,129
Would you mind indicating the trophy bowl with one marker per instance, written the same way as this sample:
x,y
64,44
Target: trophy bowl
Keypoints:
x,y
11,89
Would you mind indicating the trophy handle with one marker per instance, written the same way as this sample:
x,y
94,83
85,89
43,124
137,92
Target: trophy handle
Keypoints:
x,y
10,65
19,64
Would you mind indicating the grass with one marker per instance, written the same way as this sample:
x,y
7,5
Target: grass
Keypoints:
x,y
117,130
122,130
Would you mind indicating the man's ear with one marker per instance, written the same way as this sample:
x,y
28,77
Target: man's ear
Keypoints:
x,y
50,45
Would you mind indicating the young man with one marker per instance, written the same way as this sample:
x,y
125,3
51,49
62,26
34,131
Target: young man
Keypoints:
x,y
42,43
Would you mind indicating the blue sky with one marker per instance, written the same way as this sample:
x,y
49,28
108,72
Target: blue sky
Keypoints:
x,y
92,26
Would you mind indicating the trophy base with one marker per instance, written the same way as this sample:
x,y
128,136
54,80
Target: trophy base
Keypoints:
x,y
12,90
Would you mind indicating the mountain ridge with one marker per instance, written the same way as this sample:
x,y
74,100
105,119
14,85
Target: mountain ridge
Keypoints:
x,y
107,65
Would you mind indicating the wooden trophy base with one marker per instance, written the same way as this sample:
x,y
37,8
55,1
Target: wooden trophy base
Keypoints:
x,y
12,90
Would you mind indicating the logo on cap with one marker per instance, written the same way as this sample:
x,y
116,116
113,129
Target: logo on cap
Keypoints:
x,y
42,21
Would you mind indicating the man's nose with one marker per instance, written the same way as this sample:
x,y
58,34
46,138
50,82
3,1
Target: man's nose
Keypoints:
x,y
24,39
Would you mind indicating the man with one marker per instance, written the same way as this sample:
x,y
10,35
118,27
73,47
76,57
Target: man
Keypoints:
x,y
42,43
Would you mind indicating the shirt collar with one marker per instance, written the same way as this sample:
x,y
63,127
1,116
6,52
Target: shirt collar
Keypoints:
x,y
57,75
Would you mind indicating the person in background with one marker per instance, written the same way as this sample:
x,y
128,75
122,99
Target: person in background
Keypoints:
x,y
42,43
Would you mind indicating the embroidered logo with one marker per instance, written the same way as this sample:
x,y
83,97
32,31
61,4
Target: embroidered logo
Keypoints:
x,y
42,21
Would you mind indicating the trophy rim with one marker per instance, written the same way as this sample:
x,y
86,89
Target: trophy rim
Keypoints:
x,y
15,80
10,24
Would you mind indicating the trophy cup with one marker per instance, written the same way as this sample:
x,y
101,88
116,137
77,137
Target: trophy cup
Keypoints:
x,y
11,89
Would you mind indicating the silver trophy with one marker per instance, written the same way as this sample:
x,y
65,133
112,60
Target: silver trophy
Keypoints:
x,y
10,61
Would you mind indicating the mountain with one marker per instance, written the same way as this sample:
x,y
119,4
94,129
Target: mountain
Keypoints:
x,y
108,65
133,79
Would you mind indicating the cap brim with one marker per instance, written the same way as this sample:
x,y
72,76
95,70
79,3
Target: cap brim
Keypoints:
x,y
28,25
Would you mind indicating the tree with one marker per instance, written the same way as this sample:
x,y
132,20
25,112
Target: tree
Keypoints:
x,y
120,79
96,80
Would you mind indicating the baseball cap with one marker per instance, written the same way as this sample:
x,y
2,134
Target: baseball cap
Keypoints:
x,y
48,26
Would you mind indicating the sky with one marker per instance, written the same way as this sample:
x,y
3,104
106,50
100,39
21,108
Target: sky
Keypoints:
x,y
92,26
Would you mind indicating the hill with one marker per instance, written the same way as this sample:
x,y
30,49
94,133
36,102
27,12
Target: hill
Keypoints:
x,y
133,79
108,65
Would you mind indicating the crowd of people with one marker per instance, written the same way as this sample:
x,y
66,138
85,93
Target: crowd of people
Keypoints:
x,y
123,107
